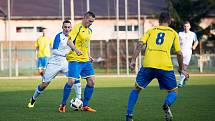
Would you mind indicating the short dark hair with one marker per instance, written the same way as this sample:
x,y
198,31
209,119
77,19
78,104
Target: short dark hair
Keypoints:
x,y
186,22
89,13
66,21
164,17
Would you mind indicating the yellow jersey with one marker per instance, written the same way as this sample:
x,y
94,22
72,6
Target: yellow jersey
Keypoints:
x,y
44,45
80,36
159,42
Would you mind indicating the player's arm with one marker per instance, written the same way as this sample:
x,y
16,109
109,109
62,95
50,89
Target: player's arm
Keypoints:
x,y
72,46
195,43
36,49
90,57
138,48
135,54
179,56
71,38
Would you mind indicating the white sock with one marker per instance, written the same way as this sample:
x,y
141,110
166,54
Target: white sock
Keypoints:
x,y
182,77
77,88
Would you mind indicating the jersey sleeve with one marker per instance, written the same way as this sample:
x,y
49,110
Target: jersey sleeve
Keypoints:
x,y
145,37
176,43
195,38
56,41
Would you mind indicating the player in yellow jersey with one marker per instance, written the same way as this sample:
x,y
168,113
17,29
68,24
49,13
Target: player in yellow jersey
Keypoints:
x,y
43,47
157,64
80,61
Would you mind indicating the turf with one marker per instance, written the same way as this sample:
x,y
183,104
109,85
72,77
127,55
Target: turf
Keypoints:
x,y
195,102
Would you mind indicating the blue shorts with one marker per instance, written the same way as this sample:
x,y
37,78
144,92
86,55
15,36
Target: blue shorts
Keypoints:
x,y
77,69
166,79
42,62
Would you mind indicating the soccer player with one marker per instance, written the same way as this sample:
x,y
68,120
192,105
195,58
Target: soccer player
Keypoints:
x,y
157,64
80,61
43,47
57,63
188,42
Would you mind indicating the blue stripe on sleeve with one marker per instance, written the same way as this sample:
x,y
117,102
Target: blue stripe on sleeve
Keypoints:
x,y
56,41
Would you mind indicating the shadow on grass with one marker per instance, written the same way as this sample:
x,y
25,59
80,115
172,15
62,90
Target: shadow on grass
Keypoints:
x,y
194,103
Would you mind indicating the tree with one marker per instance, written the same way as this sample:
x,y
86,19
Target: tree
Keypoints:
x,y
191,10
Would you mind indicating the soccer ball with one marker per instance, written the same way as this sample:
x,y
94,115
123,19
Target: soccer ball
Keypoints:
x,y
76,104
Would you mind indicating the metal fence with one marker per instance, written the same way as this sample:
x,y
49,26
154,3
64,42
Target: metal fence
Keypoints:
x,y
104,52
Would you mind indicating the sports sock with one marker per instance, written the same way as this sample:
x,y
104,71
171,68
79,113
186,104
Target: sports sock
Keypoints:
x,y
66,93
132,101
170,98
77,87
88,92
182,77
37,92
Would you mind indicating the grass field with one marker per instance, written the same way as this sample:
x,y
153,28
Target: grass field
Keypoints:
x,y
195,102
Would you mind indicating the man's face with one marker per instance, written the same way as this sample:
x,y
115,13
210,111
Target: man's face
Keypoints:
x,y
186,27
88,21
66,28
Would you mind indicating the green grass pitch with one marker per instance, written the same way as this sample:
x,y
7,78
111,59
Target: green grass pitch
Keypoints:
x,y
195,102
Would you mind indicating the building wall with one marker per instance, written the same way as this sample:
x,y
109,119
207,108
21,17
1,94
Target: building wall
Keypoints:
x,y
26,30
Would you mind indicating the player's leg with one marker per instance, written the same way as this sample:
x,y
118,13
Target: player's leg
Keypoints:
x,y
88,73
77,88
73,74
186,61
88,92
167,81
132,101
51,72
77,84
144,77
39,66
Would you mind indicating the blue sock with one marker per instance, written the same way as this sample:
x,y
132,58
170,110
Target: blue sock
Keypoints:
x,y
88,92
170,98
66,93
132,101
37,92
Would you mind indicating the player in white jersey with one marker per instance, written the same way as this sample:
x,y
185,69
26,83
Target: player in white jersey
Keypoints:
x,y
57,63
188,42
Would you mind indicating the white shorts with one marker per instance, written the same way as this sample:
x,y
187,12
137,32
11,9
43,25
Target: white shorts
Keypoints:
x,y
186,58
54,68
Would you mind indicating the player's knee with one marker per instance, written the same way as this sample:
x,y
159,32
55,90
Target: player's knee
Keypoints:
x,y
71,81
173,90
44,85
136,87
90,82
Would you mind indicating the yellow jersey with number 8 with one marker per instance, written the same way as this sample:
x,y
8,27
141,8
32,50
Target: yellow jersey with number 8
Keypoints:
x,y
159,42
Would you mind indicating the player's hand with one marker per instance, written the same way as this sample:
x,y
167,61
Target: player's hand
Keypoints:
x,y
185,73
78,52
91,59
132,65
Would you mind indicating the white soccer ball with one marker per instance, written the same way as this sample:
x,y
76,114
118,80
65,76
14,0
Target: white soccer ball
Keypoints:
x,y
76,104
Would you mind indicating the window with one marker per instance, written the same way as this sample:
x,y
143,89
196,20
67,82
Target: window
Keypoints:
x,y
40,29
136,28
129,28
24,29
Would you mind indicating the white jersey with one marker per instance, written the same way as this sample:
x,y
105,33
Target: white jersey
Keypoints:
x,y
186,41
57,62
60,49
